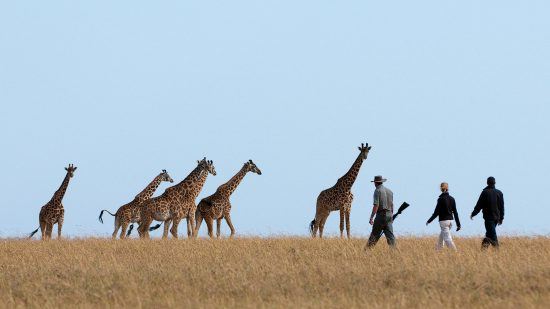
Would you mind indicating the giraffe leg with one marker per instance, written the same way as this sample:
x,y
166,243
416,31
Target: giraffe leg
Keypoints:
x,y
140,228
46,231
166,228
228,220
139,233
174,229
191,217
141,224
347,224
315,229
209,222
124,226
322,224
190,226
314,225
49,227
342,215
144,227
117,226
198,222
60,221
218,227
188,223
43,229
59,227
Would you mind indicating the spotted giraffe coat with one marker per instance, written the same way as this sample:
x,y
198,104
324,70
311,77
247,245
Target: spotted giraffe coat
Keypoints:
x,y
218,206
338,197
130,212
177,202
53,212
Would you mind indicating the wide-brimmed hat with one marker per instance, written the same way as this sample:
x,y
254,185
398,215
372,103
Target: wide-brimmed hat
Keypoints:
x,y
379,179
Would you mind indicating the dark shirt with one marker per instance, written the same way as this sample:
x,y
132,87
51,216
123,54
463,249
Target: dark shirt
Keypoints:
x,y
491,201
445,209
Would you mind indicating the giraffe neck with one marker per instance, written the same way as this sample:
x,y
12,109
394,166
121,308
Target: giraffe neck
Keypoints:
x,y
58,195
231,185
197,185
189,181
349,178
148,192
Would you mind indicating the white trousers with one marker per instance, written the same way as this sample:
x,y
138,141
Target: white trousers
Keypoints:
x,y
445,235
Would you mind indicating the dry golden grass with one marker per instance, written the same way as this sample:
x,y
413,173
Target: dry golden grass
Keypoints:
x,y
273,272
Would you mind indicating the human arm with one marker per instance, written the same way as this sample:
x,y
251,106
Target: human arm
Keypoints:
x,y
374,210
455,214
434,215
501,207
375,204
478,206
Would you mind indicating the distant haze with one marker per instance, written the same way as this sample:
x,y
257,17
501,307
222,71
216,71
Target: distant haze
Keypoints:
x,y
443,91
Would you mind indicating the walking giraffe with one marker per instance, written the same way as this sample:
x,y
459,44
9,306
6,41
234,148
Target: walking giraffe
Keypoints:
x,y
339,197
130,213
217,206
53,211
176,203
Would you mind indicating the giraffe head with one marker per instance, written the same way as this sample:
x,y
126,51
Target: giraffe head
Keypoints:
x,y
70,170
165,177
251,167
364,148
207,165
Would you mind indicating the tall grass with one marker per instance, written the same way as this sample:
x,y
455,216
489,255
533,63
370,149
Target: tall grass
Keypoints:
x,y
273,272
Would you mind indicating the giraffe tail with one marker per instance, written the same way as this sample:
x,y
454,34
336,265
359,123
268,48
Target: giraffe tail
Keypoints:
x,y
34,232
311,226
101,215
130,230
152,228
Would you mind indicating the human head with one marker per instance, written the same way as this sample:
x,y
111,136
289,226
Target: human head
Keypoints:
x,y
491,181
444,187
378,180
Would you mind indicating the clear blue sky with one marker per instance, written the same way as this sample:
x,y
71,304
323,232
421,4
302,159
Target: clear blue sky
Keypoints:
x,y
443,90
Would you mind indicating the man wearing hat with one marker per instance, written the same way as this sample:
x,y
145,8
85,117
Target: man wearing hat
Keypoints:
x,y
491,201
383,210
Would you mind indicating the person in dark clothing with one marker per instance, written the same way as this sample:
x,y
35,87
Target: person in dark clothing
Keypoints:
x,y
446,211
491,201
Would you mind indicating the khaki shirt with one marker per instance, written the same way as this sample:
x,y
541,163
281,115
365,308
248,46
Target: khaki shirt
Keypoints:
x,y
383,198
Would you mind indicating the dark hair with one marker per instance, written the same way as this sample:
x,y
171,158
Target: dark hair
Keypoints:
x,y
491,181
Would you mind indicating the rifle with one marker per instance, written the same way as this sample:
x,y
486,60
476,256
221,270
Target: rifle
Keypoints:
x,y
400,210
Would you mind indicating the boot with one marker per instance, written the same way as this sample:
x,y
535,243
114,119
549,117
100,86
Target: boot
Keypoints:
x,y
485,243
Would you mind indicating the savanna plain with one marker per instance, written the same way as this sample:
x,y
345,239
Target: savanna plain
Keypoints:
x,y
273,273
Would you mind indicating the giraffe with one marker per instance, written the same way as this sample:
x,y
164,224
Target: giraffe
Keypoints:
x,y
53,211
338,197
217,206
177,202
130,212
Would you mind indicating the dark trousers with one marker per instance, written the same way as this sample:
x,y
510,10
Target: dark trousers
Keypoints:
x,y
383,223
491,238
